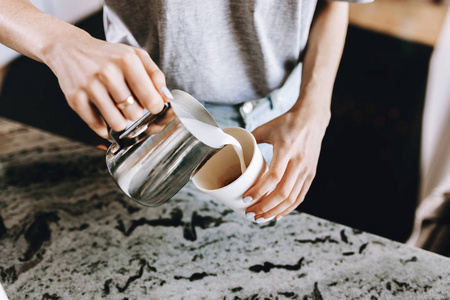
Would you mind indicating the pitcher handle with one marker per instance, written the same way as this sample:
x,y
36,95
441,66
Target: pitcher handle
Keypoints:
x,y
136,131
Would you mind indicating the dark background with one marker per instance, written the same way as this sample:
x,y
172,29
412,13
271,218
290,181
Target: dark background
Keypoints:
x,y
368,172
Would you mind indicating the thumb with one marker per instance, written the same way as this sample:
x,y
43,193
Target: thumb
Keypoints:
x,y
261,134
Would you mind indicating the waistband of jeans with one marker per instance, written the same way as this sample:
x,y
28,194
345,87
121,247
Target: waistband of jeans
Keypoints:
x,y
291,83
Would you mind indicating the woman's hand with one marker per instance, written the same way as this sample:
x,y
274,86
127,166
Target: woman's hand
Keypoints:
x,y
296,139
96,76
101,81
297,135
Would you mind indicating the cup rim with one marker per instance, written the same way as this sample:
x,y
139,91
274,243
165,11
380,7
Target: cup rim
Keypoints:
x,y
252,162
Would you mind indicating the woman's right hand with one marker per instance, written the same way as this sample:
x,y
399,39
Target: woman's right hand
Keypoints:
x,y
96,75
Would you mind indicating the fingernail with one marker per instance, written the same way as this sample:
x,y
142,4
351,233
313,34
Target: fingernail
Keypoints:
x,y
260,220
166,92
247,199
250,215
279,218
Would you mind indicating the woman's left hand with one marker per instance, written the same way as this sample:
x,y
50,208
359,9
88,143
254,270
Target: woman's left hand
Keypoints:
x,y
296,138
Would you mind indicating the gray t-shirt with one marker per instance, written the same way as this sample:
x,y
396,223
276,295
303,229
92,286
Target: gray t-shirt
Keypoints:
x,y
218,51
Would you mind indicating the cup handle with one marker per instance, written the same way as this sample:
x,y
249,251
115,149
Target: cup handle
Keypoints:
x,y
136,131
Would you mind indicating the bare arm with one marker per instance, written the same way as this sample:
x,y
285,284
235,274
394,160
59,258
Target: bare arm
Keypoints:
x,y
322,59
94,75
297,135
27,30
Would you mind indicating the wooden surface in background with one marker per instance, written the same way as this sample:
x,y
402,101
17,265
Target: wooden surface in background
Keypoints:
x,y
414,20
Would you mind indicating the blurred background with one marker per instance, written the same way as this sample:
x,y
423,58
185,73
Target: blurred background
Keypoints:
x,y
369,171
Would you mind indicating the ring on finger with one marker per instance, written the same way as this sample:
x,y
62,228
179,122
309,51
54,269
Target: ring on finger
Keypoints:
x,y
124,104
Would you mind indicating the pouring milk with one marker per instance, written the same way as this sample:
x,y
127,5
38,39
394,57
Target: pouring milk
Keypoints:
x,y
207,132
214,137
152,167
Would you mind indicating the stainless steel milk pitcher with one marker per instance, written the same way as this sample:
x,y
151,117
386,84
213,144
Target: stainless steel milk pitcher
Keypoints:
x,y
155,157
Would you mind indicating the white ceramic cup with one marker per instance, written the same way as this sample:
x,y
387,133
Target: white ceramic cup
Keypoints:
x,y
221,175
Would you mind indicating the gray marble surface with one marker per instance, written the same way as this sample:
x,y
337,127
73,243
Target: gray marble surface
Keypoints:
x,y
67,232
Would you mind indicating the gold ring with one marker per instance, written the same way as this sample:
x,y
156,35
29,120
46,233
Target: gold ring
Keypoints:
x,y
126,103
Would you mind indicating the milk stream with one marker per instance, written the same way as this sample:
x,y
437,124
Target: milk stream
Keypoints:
x,y
214,137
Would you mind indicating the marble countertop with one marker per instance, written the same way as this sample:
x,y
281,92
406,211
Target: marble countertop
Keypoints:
x,y
67,232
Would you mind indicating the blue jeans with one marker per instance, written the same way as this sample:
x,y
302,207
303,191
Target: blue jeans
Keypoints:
x,y
252,114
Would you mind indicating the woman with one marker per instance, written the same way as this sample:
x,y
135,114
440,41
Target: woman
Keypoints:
x,y
243,59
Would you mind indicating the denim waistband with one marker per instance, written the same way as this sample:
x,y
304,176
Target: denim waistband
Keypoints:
x,y
259,111
279,101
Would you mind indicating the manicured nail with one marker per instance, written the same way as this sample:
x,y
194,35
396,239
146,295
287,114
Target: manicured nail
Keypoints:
x,y
250,215
279,218
166,92
247,199
260,220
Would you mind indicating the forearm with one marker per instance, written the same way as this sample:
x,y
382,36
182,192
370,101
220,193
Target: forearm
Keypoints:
x,y
29,31
323,54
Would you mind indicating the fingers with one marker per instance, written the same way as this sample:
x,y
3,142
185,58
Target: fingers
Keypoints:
x,y
284,195
296,145
291,175
136,75
300,198
114,81
156,75
89,114
270,208
99,96
139,82
108,74
267,183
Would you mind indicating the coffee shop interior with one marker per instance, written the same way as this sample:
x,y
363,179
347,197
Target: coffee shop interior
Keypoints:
x,y
381,145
